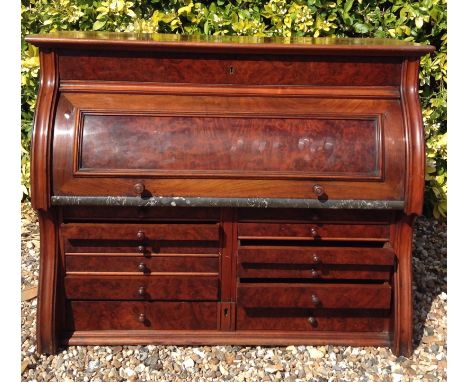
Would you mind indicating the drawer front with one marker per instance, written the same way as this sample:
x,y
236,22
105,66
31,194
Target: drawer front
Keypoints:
x,y
141,249
304,231
316,263
139,214
323,296
311,320
141,288
270,147
108,263
127,315
313,215
141,232
227,69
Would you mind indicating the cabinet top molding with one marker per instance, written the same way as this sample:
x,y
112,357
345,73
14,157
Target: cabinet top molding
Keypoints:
x,y
225,44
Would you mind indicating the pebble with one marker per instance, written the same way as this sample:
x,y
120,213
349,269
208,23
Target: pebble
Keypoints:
x,y
315,353
93,366
188,363
253,363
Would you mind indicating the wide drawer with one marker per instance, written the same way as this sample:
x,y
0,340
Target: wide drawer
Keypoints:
x,y
141,249
198,68
127,315
316,263
109,263
296,319
313,231
93,287
141,232
323,296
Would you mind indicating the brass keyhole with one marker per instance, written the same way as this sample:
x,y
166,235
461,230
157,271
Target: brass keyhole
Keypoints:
x,y
225,312
231,70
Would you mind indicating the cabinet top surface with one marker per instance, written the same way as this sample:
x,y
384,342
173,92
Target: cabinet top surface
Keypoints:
x,y
247,44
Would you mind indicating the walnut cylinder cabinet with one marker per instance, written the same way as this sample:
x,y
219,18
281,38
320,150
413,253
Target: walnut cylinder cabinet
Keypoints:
x,y
226,190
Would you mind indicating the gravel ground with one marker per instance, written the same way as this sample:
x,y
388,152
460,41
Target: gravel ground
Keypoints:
x,y
236,363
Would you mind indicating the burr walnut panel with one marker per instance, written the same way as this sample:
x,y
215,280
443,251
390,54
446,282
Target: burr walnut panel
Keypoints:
x,y
310,146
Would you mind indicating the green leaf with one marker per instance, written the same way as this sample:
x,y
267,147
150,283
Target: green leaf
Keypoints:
x,y
361,28
419,22
99,24
348,6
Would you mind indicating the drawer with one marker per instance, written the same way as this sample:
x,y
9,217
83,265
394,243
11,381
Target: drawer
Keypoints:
x,y
286,215
316,263
190,68
312,231
138,214
323,296
141,249
141,232
128,315
109,263
93,287
297,319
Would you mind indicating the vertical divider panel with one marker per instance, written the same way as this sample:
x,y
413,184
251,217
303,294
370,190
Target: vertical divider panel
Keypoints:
x,y
227,272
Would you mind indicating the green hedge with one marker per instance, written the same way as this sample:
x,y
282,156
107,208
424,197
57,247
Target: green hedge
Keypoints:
x,y
423,21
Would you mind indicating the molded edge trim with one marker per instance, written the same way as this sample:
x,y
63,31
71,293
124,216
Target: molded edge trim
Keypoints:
x,y
227,44
199,337
175,201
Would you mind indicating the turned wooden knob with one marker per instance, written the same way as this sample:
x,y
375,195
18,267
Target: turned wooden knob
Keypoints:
x,y
139,188
313,232
142,267
312,320
141,291
315,299
142,317
318,189
141,248
140,235
314,273
315,259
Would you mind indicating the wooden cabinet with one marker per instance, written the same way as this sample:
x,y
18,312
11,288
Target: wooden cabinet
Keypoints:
x,y
201,190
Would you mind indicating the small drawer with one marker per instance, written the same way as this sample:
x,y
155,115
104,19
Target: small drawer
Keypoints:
x,y
318,296
138,264
141,249
296,319
127,315
93,287
306,231
316,263
141,232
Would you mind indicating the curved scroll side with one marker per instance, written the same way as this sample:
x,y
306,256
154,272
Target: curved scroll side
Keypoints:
x,y
40,199
414,131
42,131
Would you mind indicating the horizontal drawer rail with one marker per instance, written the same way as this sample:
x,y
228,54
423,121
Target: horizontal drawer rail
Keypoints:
x,y
166,201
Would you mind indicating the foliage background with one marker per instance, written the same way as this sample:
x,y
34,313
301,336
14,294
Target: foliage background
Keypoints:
x,y
423,21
